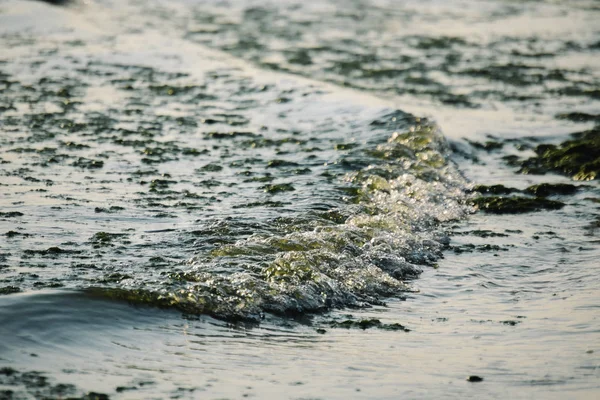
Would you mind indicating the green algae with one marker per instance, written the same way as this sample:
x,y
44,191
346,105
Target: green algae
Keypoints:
x,y
494,189
551,189
51,251
281,163
515,205
82,162
294,272
278,188
230,135
11,214
211,168
33,384
471,248
100,239
488,146
9,290
345,146
110,210
269,204
578,157
579,117
13,234
482,233
365,324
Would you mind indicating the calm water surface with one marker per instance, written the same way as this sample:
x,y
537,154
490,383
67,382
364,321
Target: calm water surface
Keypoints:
x,y
291,184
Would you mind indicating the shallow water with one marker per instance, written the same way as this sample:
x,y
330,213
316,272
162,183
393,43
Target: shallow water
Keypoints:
x,y
205,157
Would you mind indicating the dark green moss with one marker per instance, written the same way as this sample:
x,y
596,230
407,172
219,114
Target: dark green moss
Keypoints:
x,y
211,168
12,234
11,214
579,117
88,164
550,189
494,189
474,378
281,163
110,210
471,248
487,146
158,184
345,146
270,204
578,158
481,233
515,205
105,238
94,396
278,188
368,324
33,384
51,251
9,290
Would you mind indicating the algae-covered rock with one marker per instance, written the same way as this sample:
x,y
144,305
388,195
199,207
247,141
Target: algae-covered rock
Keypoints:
x,y
494,189
578,158
278,188
365,324
579,117
9,290
551,189
515,205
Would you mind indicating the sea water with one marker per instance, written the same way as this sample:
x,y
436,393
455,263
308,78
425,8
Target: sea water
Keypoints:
x,y
205,199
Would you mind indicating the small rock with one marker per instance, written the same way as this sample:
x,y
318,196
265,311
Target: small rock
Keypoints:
x,y
474,378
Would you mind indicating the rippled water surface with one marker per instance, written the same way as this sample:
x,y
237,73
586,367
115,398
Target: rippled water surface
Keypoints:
x,y
205,199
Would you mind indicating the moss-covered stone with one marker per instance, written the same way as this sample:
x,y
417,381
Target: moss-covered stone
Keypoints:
x,y
494,189
105,238
9,290
488,146
578,158
579,117
515,205
278,188
11,214
294,268
551,189
368,324
34,384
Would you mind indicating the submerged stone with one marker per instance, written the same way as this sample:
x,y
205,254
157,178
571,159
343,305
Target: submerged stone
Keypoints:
x,y
515,205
